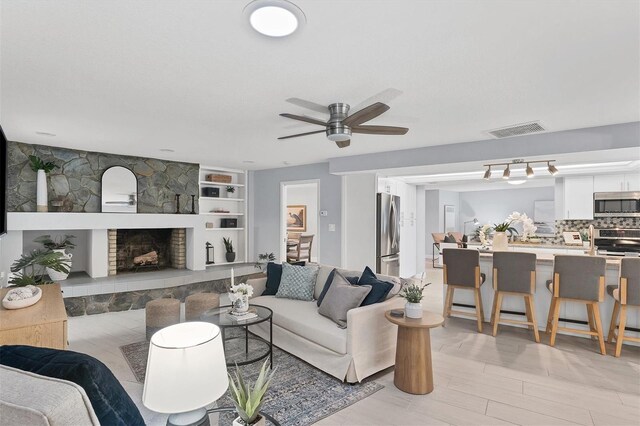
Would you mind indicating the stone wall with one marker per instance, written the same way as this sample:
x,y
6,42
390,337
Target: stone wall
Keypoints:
x,y
75,185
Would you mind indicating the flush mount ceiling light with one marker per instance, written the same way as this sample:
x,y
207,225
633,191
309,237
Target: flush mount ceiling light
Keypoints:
x,y
275,18
516,181
528,170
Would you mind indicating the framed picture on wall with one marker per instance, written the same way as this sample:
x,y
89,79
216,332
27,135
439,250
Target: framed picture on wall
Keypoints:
x,y
297,218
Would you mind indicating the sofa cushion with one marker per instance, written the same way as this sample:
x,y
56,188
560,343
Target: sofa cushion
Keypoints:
x,y
274,275
352,280
341,297
298,282
302,318
110,401
379,289
323,275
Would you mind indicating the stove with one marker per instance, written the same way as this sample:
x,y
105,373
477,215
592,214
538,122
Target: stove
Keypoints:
x,y
617,241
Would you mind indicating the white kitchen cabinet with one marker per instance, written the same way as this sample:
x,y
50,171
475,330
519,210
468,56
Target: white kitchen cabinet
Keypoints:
x,y
619,182
578,198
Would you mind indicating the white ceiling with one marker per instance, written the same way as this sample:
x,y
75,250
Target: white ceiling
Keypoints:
x,y
133,77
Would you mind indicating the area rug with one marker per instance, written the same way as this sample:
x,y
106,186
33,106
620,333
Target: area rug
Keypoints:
x,y
300,394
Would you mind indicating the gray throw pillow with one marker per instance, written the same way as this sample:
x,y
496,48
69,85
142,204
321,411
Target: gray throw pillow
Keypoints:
x,y
341,297
297,282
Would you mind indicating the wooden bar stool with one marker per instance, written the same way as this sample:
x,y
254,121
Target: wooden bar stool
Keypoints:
x,y
462,272
577,279
627,293
514,274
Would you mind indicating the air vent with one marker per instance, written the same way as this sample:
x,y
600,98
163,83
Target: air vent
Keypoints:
x,y
517,130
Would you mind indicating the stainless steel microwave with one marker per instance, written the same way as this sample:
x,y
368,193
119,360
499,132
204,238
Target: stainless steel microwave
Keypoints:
x,y
616,204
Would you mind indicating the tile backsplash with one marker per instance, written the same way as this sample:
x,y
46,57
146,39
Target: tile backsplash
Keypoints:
x,y
605,222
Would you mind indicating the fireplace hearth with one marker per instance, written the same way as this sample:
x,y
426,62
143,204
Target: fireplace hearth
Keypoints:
x,y
127,246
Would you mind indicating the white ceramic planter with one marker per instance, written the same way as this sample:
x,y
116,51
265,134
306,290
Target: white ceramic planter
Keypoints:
x,y
41,192
500,241
241,304
60,276
259,422
413,310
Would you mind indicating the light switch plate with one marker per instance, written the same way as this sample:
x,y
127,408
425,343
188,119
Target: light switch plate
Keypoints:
x,y
332,227
324,213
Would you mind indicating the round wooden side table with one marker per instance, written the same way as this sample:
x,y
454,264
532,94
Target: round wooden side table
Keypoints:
x,y
413,372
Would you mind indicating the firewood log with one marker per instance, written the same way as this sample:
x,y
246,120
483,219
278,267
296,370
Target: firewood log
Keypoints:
x,y
150,258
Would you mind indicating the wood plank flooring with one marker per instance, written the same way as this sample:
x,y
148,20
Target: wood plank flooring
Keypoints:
x,y
479,379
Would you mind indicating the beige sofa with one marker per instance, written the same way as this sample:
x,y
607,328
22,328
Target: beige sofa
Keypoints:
x,y
366,346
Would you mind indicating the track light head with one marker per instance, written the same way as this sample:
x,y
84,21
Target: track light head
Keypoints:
x,y
507,173
487,174
552,169
529,171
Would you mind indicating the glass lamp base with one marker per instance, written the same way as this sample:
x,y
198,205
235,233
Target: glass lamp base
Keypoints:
x,y
197,417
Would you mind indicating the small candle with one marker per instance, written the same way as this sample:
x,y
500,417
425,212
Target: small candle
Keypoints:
x,y
232,277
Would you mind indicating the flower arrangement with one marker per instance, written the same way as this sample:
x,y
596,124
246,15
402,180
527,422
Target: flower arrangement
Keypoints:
x,y
528,228
482,234
238,291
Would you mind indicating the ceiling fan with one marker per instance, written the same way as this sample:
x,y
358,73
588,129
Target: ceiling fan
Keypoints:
x,y
341,125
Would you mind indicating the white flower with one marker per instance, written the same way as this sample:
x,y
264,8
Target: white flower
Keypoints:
x,y
238,290
483,234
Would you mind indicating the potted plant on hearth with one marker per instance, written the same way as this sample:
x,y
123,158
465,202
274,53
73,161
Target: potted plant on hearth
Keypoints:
x,y
58,244
228,247
230,191
413,295
249,399
41,168
30,268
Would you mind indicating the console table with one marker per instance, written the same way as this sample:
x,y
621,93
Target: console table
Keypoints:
x,y
43,324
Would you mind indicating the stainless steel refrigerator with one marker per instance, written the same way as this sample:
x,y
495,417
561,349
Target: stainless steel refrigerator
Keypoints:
x,y
388,234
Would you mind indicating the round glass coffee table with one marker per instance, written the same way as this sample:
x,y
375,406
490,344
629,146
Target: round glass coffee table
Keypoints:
x,y
255,347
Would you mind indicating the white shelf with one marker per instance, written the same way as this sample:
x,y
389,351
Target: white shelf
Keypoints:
x,y
224,229
226,263
237,200
208,183
223,214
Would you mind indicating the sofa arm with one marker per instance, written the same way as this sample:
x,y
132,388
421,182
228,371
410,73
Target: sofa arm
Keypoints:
x,y
259,285
371,338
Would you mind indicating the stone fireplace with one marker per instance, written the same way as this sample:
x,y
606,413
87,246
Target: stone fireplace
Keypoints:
x,y
126,244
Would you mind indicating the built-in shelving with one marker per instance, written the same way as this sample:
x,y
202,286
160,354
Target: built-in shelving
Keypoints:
x,y
237,200
224,229
222,214
209,183
224,263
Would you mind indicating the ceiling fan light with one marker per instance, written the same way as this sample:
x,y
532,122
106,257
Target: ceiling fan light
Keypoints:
x,y
552,169
529,171
487,174
274,18
507,173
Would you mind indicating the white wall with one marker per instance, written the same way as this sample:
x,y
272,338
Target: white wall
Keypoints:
x,y
359,224
421,236
307,195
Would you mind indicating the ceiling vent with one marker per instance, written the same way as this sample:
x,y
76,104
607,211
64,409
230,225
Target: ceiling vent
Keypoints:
x,y
517,130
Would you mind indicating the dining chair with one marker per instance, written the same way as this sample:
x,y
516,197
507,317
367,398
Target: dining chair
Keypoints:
x,y
302,251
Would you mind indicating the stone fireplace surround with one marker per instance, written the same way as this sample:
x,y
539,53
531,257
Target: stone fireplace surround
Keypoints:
x,y
125,244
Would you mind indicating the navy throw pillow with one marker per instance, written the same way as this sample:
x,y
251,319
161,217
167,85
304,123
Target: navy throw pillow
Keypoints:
x,y
379,289
274,275
327,284
109,400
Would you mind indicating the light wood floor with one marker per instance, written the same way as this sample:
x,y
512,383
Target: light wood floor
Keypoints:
x,y
479,379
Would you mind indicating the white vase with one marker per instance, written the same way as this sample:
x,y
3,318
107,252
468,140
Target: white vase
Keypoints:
x,y
500,241
259,422
241,304
60,276
413,310
41,192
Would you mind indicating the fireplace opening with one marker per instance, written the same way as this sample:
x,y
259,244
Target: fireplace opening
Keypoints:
x,y
139,250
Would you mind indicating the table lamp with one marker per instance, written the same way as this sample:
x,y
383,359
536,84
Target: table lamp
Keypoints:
x,y
186,371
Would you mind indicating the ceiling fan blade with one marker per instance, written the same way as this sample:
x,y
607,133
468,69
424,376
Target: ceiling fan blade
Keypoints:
x,y
301,134
343,144
309,105
302,118
366,114
385,96
380,130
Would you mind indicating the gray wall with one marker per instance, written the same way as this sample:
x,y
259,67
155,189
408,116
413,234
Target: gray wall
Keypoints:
x,y
264,205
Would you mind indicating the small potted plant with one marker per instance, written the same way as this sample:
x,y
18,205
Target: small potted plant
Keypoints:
x,y
58,244
239,295
584,236
228,247
230,191
263,259
30,268
41,168
249,399
500,239
413,295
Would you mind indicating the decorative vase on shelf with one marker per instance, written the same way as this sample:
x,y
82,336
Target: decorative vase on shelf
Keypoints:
x,y
231,257
500,241
60,276
241,304
258,422
413,310
41,191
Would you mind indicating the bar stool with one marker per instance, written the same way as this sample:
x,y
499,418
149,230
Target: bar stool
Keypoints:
x,y
514,274
626,294
577,279
462,271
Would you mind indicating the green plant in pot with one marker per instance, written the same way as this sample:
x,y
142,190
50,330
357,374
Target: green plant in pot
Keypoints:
x,y
413,295
263,259
58,244
500,239
230,191
249,399
228,247
31,268
41,168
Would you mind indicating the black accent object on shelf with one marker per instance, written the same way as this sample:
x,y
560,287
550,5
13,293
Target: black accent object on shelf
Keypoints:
x,y
210,253
177,203
193,204
231,257
229,223
211,192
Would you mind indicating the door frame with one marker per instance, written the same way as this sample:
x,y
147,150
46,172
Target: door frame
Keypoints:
x,y
283,222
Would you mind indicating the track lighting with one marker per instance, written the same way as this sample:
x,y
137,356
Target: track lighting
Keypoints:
x,y
528,170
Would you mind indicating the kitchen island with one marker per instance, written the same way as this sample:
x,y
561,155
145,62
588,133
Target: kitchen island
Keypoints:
x,y
574,314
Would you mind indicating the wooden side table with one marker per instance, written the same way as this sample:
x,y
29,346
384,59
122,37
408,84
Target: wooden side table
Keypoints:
x,y
43,324
413,372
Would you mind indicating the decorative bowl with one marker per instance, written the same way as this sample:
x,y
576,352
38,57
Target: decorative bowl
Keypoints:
x,y
22,303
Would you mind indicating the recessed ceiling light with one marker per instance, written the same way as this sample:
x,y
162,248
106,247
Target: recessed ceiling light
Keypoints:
x,y
45,134
167,150
274,18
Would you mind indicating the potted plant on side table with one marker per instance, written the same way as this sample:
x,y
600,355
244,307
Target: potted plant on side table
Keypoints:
x,y
228,247
413,295
249,399
58,245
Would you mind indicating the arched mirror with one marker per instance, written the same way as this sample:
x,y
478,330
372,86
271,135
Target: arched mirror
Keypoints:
x,y
119,191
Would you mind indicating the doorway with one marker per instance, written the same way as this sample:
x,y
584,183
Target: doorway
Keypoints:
x,y
299,215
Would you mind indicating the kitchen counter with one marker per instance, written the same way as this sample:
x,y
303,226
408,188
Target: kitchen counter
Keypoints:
x,y
536,245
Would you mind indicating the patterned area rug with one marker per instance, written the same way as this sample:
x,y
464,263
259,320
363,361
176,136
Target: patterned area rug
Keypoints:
x,y
299,394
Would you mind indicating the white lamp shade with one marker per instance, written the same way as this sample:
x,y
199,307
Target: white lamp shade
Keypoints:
x,y
186,368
